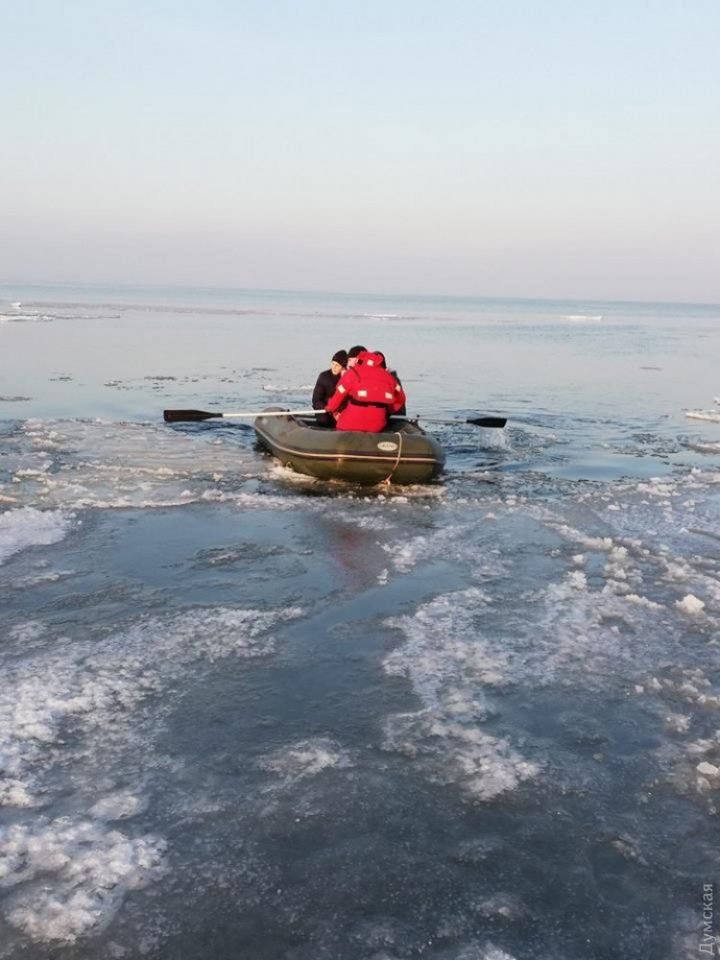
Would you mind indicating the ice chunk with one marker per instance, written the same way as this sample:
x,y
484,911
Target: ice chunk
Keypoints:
x,y
118,806
442,643
72,876
677,722
97,686
28,527
480,765
642,601
600,544
505,905
304,759
690,605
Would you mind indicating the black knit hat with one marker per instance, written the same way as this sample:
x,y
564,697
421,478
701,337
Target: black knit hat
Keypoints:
x,y
341,357
355,351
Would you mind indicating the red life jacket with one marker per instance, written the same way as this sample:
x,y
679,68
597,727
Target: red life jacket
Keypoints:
x,y
365,395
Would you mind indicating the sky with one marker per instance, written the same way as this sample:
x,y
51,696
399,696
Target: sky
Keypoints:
x,y
559,148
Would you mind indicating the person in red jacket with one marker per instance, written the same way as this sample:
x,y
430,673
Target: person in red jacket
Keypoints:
x,y
402,409
366,395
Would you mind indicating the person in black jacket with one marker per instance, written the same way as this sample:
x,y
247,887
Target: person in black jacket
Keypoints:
x,y
325,388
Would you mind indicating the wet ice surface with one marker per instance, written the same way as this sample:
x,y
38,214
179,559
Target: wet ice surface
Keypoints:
x,y
246,714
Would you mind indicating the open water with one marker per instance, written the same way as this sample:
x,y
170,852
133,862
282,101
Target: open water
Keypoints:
x,y
245,715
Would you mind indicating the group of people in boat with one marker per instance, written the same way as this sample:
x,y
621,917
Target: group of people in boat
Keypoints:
x,y
358,392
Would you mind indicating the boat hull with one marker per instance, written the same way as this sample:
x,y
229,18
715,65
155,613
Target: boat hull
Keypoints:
x,y
403,454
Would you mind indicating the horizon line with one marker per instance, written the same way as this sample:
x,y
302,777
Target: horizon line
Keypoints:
x,y
154,285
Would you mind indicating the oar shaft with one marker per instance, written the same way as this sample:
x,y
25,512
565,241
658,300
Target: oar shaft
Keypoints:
x,y
174,416
491,422
273,413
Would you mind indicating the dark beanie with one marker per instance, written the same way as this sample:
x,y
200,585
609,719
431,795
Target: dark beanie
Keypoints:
x,y
341,357
356,351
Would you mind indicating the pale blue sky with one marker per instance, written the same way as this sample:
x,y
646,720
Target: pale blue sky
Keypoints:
x,y
520,148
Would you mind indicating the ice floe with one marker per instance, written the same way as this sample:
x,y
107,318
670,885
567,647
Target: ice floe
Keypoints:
x,y
76,465
72,875
307,758
282,388
79,716
461,541
448,662
505,905
477,763
118,806
27,527
444,646
710,415
94,687
690,605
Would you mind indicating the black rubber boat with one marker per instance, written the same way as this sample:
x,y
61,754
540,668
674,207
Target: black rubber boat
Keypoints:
x,y
403,453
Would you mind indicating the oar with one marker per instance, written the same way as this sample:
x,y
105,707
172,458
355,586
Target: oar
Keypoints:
x,y
493,422
173,416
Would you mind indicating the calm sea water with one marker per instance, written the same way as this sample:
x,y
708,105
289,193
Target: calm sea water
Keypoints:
x,y
243,714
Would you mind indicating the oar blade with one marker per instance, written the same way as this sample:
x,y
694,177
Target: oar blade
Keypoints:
x,y
492,422
177,416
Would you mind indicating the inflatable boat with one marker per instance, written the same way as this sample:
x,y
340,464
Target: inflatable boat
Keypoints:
x,y
403,453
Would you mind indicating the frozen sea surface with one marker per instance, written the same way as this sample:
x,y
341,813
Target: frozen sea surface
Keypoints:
x,y
243,714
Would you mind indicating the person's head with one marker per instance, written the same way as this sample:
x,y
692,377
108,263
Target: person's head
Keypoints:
x,y
338,362
354,353
371,358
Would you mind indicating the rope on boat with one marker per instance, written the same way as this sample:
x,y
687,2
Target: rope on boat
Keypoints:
x,y
397,458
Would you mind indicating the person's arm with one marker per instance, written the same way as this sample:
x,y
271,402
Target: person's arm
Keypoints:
x,y
345,389
338,398
399,400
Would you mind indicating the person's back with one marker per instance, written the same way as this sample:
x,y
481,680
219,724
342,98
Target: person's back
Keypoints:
x,y
365,396
325,387
401,410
